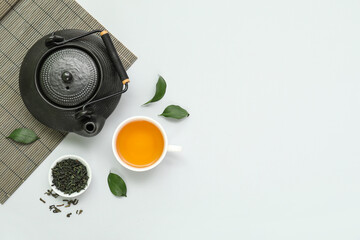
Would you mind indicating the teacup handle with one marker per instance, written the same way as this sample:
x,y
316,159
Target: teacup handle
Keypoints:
x,y
174,148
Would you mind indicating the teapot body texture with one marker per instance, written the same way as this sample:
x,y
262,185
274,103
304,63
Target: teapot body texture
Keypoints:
x,y
66,86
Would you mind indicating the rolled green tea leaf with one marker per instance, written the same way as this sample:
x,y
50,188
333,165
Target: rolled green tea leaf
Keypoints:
x,y
175,111
23,135
69,176
160,90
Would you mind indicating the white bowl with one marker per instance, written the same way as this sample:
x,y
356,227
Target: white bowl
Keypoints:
x,y
75,194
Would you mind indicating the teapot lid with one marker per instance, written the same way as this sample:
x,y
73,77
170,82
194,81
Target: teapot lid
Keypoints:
x,y
68,77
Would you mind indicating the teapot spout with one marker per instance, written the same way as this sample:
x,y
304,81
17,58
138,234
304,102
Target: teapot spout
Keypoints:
x,y
91,126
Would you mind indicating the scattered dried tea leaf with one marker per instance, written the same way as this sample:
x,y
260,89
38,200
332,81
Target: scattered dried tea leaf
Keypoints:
x,y
23,135
69,202
55,209
117,185
78,212
160,90
51,193
174,111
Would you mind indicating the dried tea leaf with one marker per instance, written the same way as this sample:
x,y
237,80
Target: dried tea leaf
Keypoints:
x,y
174,111
160,90
23,135
69,176
117,185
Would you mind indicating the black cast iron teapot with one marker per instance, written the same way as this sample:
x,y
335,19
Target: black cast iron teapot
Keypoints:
x,y
72,80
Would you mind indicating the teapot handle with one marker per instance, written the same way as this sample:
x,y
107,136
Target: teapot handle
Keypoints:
x,y
119,67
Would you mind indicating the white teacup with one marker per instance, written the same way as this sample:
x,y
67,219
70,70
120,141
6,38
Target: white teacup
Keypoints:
x,y
138,148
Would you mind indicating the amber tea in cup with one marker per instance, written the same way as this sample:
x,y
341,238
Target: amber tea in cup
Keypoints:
x,y
140,143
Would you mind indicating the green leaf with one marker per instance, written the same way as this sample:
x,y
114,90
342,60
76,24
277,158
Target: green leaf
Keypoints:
x,y
174,111
117,185
23,135
160,90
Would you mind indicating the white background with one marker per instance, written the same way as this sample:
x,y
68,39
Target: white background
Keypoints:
x,y
271,148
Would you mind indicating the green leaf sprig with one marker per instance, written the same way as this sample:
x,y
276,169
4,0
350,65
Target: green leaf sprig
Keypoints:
x,y
160,90
174,111
117,185
23,135
171,111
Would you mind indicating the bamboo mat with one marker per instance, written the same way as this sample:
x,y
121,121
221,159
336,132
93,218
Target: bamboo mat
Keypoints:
x,y
22,23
